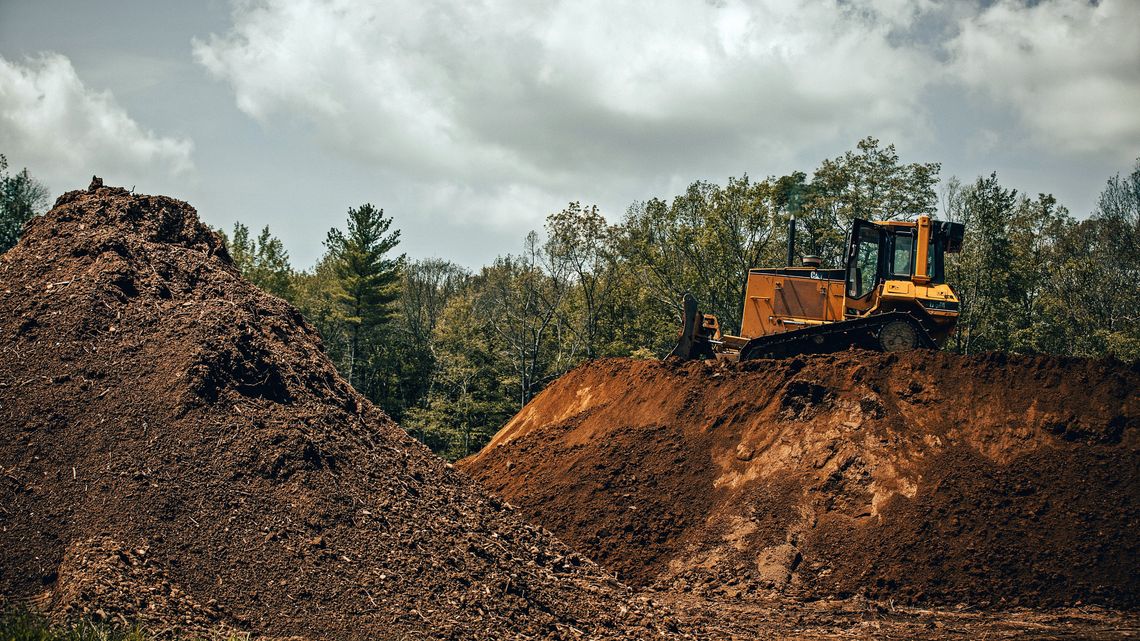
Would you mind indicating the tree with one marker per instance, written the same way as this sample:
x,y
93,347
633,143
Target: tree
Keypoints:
x,y
871,185
314,293
1035,231
367,278
263,261
427,288
474,391
521,298
452,355
982,274
1112,269
241,248
21,198
703,242
579,240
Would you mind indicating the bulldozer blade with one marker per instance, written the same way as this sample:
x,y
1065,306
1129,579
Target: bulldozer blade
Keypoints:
x,y
692,342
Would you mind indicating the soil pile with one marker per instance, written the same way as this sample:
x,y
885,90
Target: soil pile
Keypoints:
x,y
922,477
177,449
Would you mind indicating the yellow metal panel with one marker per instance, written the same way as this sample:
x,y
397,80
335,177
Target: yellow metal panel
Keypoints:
x,y
836,299
801,298
922,250
777,303
757,305
898,289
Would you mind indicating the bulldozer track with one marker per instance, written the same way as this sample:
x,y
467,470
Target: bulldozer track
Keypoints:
x,y
833,337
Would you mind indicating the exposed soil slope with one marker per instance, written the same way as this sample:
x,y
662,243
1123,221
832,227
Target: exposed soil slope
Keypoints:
x,y
925,477
175,448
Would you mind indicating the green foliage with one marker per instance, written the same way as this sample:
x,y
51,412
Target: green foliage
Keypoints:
x,y
520,301
983,273
870,184
1037,226
472,393
366,285
580,245
429,285
510,329
21,198
26,626
703,242
314,293
1034,280
410,358
453,355
1101,274
263,261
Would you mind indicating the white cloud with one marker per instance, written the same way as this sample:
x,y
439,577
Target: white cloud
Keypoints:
x,y
1069,70
494,96
64,131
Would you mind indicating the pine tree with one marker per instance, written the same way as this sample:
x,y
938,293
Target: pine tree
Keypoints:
x,y
21,198
367,278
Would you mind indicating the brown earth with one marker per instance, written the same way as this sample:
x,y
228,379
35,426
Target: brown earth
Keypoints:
x,y
993,481
177,450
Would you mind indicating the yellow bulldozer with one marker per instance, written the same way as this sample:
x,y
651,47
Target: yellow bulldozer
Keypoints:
x,y
891,295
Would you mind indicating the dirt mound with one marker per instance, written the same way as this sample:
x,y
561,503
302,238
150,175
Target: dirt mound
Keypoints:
x,y
177,449
925,477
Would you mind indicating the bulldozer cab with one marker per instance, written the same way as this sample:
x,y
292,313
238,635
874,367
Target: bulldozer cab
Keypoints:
x,y
914,251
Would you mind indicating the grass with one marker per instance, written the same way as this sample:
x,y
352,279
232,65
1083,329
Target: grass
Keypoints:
x,y
27,626
22,625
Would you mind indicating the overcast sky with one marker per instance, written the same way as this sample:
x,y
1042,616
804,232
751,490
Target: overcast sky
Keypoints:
x,y
469,122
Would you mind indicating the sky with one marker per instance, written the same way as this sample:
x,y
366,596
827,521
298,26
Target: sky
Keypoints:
x,y
470,122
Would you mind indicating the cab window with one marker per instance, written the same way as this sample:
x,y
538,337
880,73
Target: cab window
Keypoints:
x,y
902,256
935,261
863,267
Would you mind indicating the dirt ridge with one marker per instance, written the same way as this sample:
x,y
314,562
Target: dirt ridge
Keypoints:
x,y
924,477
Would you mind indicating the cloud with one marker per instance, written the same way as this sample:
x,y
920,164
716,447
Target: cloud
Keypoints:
x,y
64,131
489,97
1069,70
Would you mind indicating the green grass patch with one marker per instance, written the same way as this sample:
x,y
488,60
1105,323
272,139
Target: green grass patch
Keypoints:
x,y
22,625
28,626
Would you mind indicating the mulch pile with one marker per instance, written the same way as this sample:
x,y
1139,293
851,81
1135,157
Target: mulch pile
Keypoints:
x,y
177,450
925,477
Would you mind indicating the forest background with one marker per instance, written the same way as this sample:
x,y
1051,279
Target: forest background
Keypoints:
x,y
452,353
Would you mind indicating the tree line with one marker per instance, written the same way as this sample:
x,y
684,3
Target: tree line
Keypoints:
x,y
452,353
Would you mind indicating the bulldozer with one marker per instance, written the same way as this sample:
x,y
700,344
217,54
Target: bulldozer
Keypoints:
x,y
890,295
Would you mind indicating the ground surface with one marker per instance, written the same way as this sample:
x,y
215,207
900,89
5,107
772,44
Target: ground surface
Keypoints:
x,y
787,619
925,478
